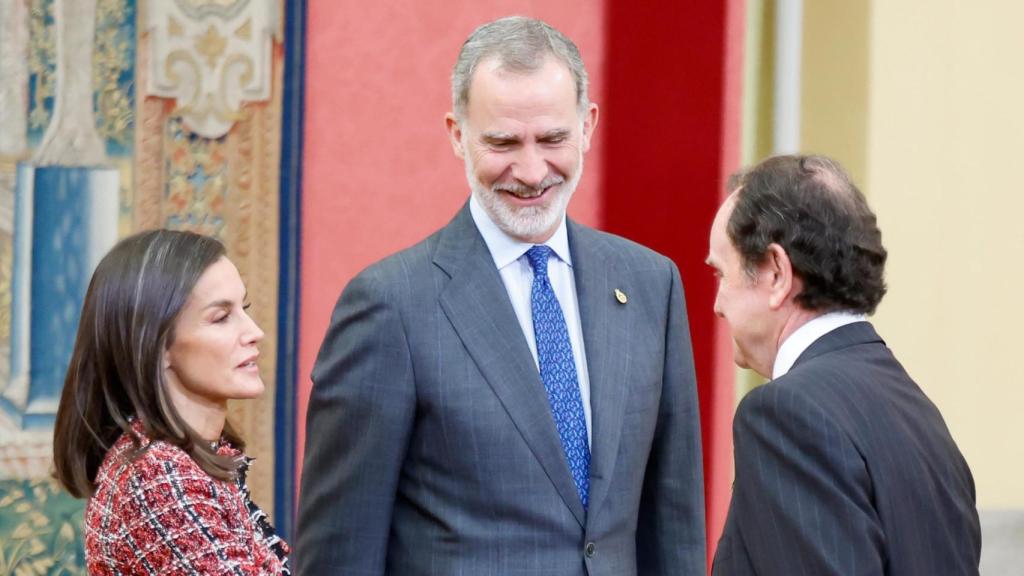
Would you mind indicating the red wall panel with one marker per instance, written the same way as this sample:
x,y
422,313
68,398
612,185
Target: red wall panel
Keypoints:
x,y
671,124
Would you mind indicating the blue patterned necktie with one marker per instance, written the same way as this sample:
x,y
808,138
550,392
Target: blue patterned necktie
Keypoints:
x,y
558,371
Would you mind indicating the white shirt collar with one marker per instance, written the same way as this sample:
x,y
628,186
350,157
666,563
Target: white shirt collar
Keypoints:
x,y
806,335
506,249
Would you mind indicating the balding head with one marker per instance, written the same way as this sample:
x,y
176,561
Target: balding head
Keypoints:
x,y
810,207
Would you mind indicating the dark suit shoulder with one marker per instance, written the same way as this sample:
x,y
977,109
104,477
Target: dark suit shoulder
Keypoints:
x,y
861,390
842,387
815,397
852,403
851,356
779,398
802,493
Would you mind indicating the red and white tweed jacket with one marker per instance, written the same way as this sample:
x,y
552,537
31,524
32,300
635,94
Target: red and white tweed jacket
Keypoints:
x,y
161,514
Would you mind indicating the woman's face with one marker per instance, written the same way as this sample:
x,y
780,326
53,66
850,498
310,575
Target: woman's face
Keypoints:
x,y
213,356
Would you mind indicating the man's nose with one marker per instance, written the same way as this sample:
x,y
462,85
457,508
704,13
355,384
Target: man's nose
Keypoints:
x,y
530,168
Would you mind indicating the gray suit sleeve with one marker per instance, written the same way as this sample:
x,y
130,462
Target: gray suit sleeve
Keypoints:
x,y
670,530
802,491
360,417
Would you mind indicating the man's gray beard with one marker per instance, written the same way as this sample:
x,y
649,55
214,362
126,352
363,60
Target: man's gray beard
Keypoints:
x,y
528,222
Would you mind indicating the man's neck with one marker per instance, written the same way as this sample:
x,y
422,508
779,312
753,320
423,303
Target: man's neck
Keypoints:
x,y
804,334
798,318
505,248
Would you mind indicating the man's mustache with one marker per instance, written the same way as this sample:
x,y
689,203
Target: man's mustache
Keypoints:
x,y
519,188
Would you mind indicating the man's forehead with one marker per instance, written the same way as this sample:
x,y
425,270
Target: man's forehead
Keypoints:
x,y
731,200
498,134
495,64
493,68
718,248
724,212
719,243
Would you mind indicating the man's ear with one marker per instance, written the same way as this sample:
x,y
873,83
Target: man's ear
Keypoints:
x,y
455,135
782,284
589,125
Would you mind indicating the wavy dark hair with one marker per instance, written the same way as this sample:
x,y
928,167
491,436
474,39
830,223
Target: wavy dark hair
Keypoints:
x,y
116,372
809,206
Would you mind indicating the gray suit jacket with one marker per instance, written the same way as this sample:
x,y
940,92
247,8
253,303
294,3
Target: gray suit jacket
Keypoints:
x,y
430,446
843,466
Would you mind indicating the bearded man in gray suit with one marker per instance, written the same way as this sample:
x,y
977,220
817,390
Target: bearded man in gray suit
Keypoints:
x,y
514,395
843,465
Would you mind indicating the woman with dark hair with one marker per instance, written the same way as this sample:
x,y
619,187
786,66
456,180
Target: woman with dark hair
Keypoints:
x,y
163,343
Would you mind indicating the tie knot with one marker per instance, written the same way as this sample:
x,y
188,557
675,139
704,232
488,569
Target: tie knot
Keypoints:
x,y
538,256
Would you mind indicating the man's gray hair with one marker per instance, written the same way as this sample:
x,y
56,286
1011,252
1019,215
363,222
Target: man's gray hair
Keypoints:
x,y
520,44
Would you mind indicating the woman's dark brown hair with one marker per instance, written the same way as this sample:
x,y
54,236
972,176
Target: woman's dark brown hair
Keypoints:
x,y
116,370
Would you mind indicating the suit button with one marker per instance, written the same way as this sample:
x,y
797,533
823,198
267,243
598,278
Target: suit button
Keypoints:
x,y
590,549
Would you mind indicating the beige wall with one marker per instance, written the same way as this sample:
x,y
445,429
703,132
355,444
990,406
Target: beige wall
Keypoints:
x,y
834,82
939,160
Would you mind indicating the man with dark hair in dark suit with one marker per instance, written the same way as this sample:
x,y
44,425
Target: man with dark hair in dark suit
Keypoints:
x,y
843,465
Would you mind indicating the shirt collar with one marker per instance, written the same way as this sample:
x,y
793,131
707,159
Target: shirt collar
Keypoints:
x,y
506,249
806,335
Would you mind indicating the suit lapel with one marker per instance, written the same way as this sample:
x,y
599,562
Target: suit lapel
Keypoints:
x,y
606,333
477,304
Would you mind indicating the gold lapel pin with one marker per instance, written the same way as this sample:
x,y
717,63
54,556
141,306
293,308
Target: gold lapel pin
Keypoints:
x,y
621,296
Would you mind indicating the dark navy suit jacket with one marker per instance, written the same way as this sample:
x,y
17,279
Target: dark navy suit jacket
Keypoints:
x,y
843,466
